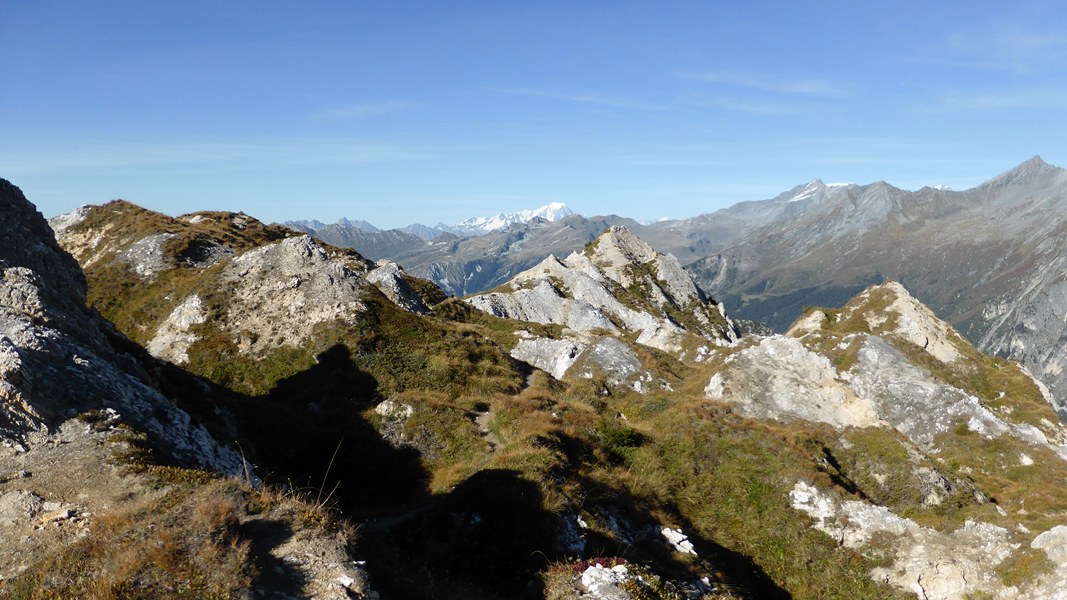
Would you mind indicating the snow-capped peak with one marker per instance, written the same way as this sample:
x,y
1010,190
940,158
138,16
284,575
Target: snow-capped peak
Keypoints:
x,y
809,190
815,187
480,225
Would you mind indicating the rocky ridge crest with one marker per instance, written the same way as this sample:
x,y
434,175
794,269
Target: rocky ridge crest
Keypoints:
x,y
100,471
920,459
263,287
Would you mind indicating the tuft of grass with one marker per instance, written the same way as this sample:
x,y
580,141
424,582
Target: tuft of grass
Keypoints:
x,y
1025,566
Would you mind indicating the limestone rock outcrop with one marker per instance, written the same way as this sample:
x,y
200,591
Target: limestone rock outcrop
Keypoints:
x,y
617,287
885,362
389,277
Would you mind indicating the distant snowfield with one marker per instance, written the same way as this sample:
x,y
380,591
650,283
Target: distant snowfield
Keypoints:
x,y
479,225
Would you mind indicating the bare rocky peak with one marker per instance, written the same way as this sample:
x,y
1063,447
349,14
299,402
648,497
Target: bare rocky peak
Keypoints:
x,y
1025,173
801,375
276,295
618,284
861,367
389,277
889,309
619,254
56,356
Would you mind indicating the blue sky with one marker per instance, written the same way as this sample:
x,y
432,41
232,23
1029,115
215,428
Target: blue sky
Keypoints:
x,y
401,112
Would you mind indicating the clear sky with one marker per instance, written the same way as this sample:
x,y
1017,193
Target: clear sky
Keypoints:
x,y
399,112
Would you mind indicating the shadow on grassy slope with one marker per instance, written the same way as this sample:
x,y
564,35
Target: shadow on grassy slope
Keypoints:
x,y
309,432
487,538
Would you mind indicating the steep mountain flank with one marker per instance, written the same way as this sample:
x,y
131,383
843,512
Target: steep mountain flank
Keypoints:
x,y
988,259
58,359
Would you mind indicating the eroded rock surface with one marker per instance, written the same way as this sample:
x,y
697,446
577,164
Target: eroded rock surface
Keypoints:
x,y
278,293
930,563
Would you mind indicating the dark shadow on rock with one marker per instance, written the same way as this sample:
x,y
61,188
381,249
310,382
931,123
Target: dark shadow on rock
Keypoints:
x,y
486,539
274,576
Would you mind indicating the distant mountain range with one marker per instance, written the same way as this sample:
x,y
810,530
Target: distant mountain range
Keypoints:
x,y
468,227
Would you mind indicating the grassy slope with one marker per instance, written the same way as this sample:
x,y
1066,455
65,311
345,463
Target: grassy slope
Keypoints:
x,y
672,458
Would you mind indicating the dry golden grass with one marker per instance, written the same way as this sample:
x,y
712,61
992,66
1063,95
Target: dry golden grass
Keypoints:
x,y
183,543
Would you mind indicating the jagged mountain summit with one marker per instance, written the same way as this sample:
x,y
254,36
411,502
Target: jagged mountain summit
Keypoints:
x,y
311,226
473,226
886,366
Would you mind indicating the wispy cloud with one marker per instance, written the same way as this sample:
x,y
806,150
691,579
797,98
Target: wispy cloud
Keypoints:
x,y
88,153
585,98
758,106
812,87
1031,99
1012,49
362,111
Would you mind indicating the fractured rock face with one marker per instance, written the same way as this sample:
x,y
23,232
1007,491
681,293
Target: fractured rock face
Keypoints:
x,y
779,377
927,562
554,357
389,277
146,255
616,361
55,357
587,309
618,250
787,377
263,286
